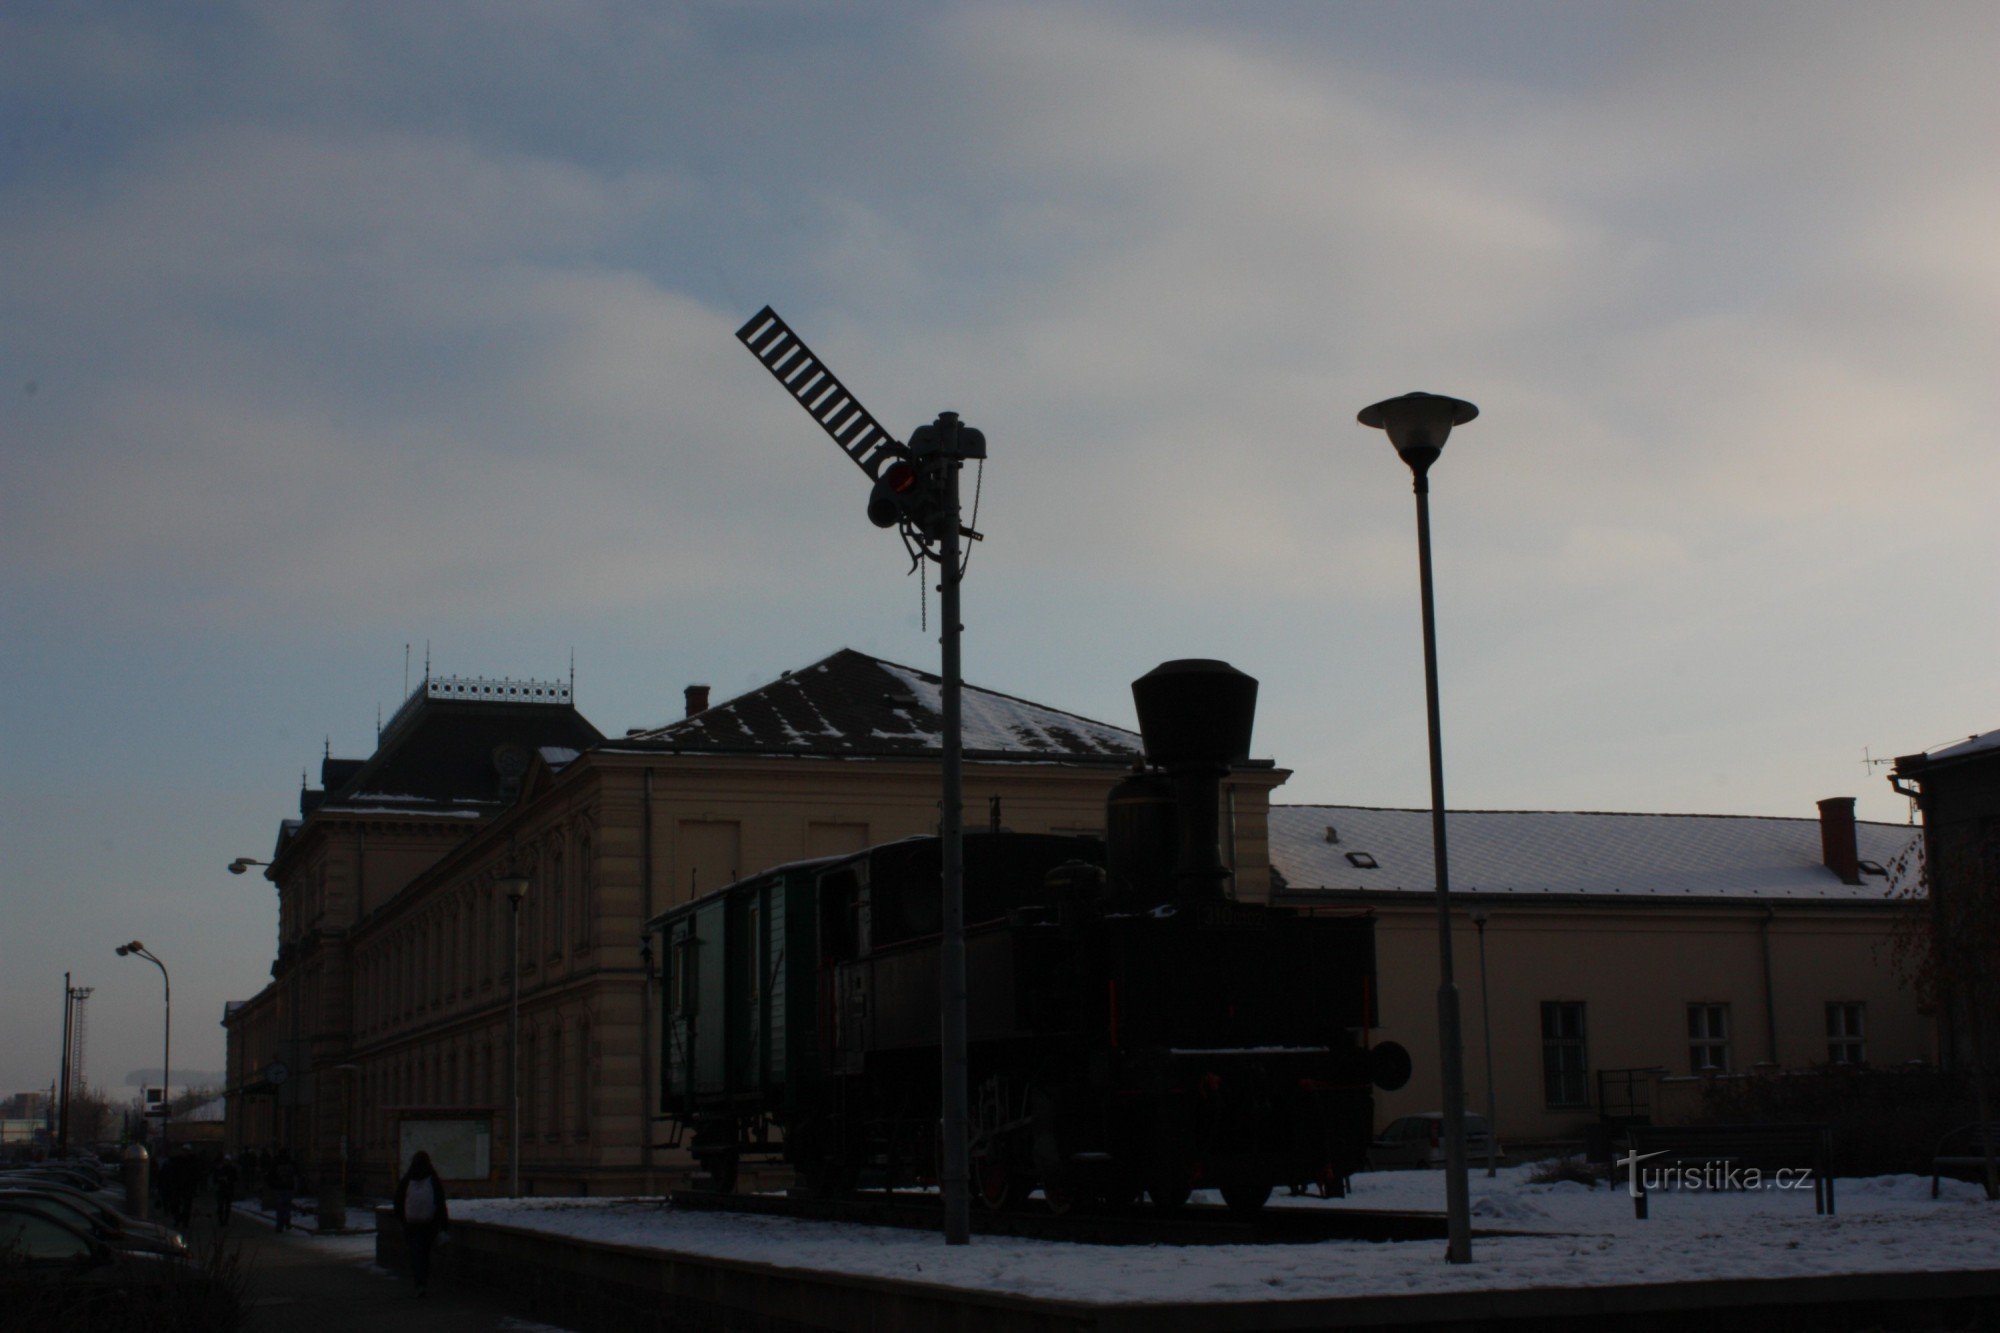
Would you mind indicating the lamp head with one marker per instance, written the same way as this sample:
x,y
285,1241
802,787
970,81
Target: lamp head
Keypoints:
x,y
133,947
122,951
1418,424
514,886
241,864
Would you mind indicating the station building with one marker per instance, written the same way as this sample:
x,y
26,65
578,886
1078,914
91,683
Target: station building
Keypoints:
x,y
1660,949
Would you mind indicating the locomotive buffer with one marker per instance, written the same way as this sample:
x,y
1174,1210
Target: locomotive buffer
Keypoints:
x,y
915,491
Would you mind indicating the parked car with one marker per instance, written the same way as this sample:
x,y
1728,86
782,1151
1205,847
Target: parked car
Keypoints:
x,y
107,1223
54,1275
1418,1140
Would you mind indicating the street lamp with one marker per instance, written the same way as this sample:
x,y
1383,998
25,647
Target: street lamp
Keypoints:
x,y
515,886
167,1038
1486,1018
1417,425
243,863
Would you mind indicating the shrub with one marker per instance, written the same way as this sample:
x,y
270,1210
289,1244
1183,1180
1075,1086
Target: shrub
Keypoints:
x,y
1559,1169
1884,1121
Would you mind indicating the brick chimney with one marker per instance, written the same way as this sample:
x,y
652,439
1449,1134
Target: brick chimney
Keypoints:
x,y
697,702
1836,838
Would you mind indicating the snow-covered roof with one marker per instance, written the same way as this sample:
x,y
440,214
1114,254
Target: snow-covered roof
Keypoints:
x,y
854,704
1969,746
1546,852
212,1111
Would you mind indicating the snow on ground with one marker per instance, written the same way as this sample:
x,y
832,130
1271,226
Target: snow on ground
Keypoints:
x,y
1583,1237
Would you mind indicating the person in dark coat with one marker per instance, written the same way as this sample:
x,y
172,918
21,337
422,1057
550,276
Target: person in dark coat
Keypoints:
x,y
224,1177
420,1207
283,1178
180,1181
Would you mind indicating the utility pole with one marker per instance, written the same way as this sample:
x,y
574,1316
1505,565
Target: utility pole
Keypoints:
x,y
62,1108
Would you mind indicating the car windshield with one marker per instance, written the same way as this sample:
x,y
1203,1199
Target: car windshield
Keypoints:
x,y
30,1238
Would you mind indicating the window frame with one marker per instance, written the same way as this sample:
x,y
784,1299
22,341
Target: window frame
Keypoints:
x,y
1847,1032
1713,1037
1565,1088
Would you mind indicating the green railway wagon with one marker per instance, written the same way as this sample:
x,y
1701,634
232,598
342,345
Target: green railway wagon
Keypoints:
x,y
740,974
748,1036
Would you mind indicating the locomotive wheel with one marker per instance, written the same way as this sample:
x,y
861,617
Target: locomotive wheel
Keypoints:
x,y
721,1167
1170,1194
1245,1199
1061,1199
1120,1194
995,1183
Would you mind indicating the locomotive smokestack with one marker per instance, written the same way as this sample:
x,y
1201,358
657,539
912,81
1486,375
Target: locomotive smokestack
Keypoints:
x,y
1195,715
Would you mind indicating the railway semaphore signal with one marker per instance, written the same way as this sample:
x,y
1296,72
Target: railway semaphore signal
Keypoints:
x,y
916,491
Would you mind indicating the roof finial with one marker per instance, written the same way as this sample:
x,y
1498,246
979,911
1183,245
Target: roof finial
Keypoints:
x,y
326,748
427,661
572,673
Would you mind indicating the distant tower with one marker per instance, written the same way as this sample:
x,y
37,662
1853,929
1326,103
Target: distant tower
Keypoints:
x,y
79,1028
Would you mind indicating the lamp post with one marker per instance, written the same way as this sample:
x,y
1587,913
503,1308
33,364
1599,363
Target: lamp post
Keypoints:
x,y
1486,1019
167,1034
1417,425
515,886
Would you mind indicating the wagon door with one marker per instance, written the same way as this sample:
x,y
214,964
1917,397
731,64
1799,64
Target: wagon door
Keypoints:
x,y
707,961
677,1033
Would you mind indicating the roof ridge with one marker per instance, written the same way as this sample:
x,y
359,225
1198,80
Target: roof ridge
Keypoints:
x,y
1622,814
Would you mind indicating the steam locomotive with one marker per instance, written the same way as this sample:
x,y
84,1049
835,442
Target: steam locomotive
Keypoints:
x,y
1132,1030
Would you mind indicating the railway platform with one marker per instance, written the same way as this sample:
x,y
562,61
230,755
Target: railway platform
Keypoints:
x,y
596,1284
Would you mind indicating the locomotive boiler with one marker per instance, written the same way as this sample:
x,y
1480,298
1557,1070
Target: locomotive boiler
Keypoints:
x,y
1133,1030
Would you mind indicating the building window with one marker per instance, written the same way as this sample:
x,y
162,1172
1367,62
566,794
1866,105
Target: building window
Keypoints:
x,y
1708,1038
1846,1033
555,1083
1565,1063
583,1080
583,892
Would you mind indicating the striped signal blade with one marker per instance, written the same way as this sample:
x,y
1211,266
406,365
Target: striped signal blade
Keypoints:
x,y
820,392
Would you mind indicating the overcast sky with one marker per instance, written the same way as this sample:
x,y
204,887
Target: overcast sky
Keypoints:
x,y
326,329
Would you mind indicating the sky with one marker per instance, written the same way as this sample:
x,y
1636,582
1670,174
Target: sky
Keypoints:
x,y
331,329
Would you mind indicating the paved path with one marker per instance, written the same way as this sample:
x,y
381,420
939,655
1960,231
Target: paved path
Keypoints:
x,y
300,1283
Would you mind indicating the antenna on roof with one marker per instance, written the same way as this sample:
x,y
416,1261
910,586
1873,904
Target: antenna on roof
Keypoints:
x,y
427,661
326,748
378,705
406,673
572,673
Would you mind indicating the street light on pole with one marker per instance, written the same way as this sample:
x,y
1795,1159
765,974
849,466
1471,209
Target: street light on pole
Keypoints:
x,y
167,1034
515,886
1417,425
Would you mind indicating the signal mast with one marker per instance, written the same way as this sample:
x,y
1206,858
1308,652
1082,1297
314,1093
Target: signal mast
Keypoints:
x,y
915,491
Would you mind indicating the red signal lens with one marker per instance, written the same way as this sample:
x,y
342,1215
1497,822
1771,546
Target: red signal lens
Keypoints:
x,y
900,478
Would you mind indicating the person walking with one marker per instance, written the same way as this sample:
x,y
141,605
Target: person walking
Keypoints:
x,y
180,1181
283,1178
420,1207
223,1176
